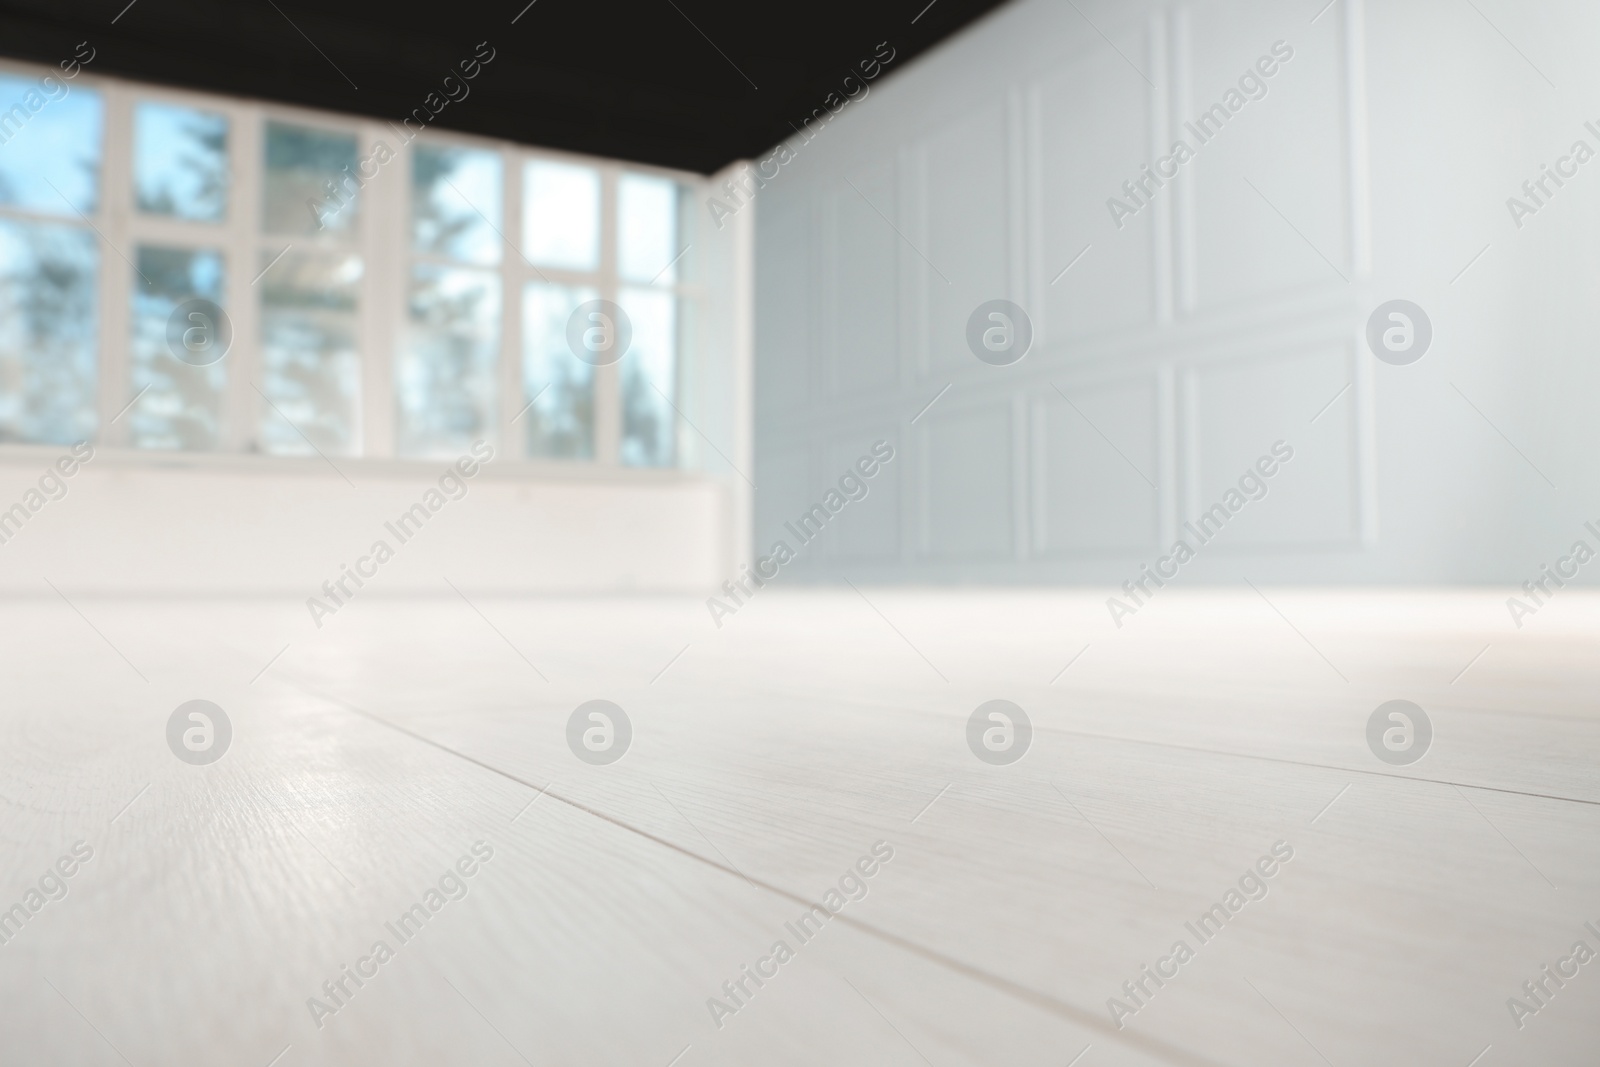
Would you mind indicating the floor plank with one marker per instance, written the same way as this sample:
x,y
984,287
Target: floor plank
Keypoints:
x,y
767,756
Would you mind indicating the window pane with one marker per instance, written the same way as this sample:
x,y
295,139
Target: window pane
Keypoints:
x,y
647,227
51,137
560,422
445,380
179,405
307,185
649,379
47,332
561,215
311,365
455,203
180,162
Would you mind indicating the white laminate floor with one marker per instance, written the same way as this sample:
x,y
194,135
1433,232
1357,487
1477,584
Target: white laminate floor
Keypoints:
x,y
815,737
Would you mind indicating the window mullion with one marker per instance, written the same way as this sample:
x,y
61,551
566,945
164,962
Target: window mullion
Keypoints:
x,y
116,272
607,379
385,244
513,439
241,405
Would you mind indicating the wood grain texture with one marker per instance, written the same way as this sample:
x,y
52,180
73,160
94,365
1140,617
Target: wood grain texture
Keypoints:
x,y
768,755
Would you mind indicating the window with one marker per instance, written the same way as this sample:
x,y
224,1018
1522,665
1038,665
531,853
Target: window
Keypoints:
x,y
311,270
48,276
558,387
179,401
310,361
561,228
650,259
188,273
176,387
180,162
649,373
49,260
445,380
561,220
51,165
305,182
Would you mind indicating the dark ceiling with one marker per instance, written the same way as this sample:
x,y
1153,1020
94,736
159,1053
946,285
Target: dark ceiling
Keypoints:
x,y
691,84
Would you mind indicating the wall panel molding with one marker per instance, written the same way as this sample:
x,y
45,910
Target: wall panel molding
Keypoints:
x,y
992,199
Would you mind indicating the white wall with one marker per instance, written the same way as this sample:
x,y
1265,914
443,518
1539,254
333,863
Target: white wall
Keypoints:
x,y
253,525
1217,321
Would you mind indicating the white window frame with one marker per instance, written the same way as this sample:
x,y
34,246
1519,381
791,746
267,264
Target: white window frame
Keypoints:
x,y
383,241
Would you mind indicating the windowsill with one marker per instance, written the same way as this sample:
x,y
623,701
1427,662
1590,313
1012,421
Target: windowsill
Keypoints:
x,y
355,467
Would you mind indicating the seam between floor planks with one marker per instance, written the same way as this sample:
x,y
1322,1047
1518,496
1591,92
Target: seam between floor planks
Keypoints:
x,y
1071,1012
1308,763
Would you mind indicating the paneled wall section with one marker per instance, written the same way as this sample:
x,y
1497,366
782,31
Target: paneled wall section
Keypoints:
x,y
1168,354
